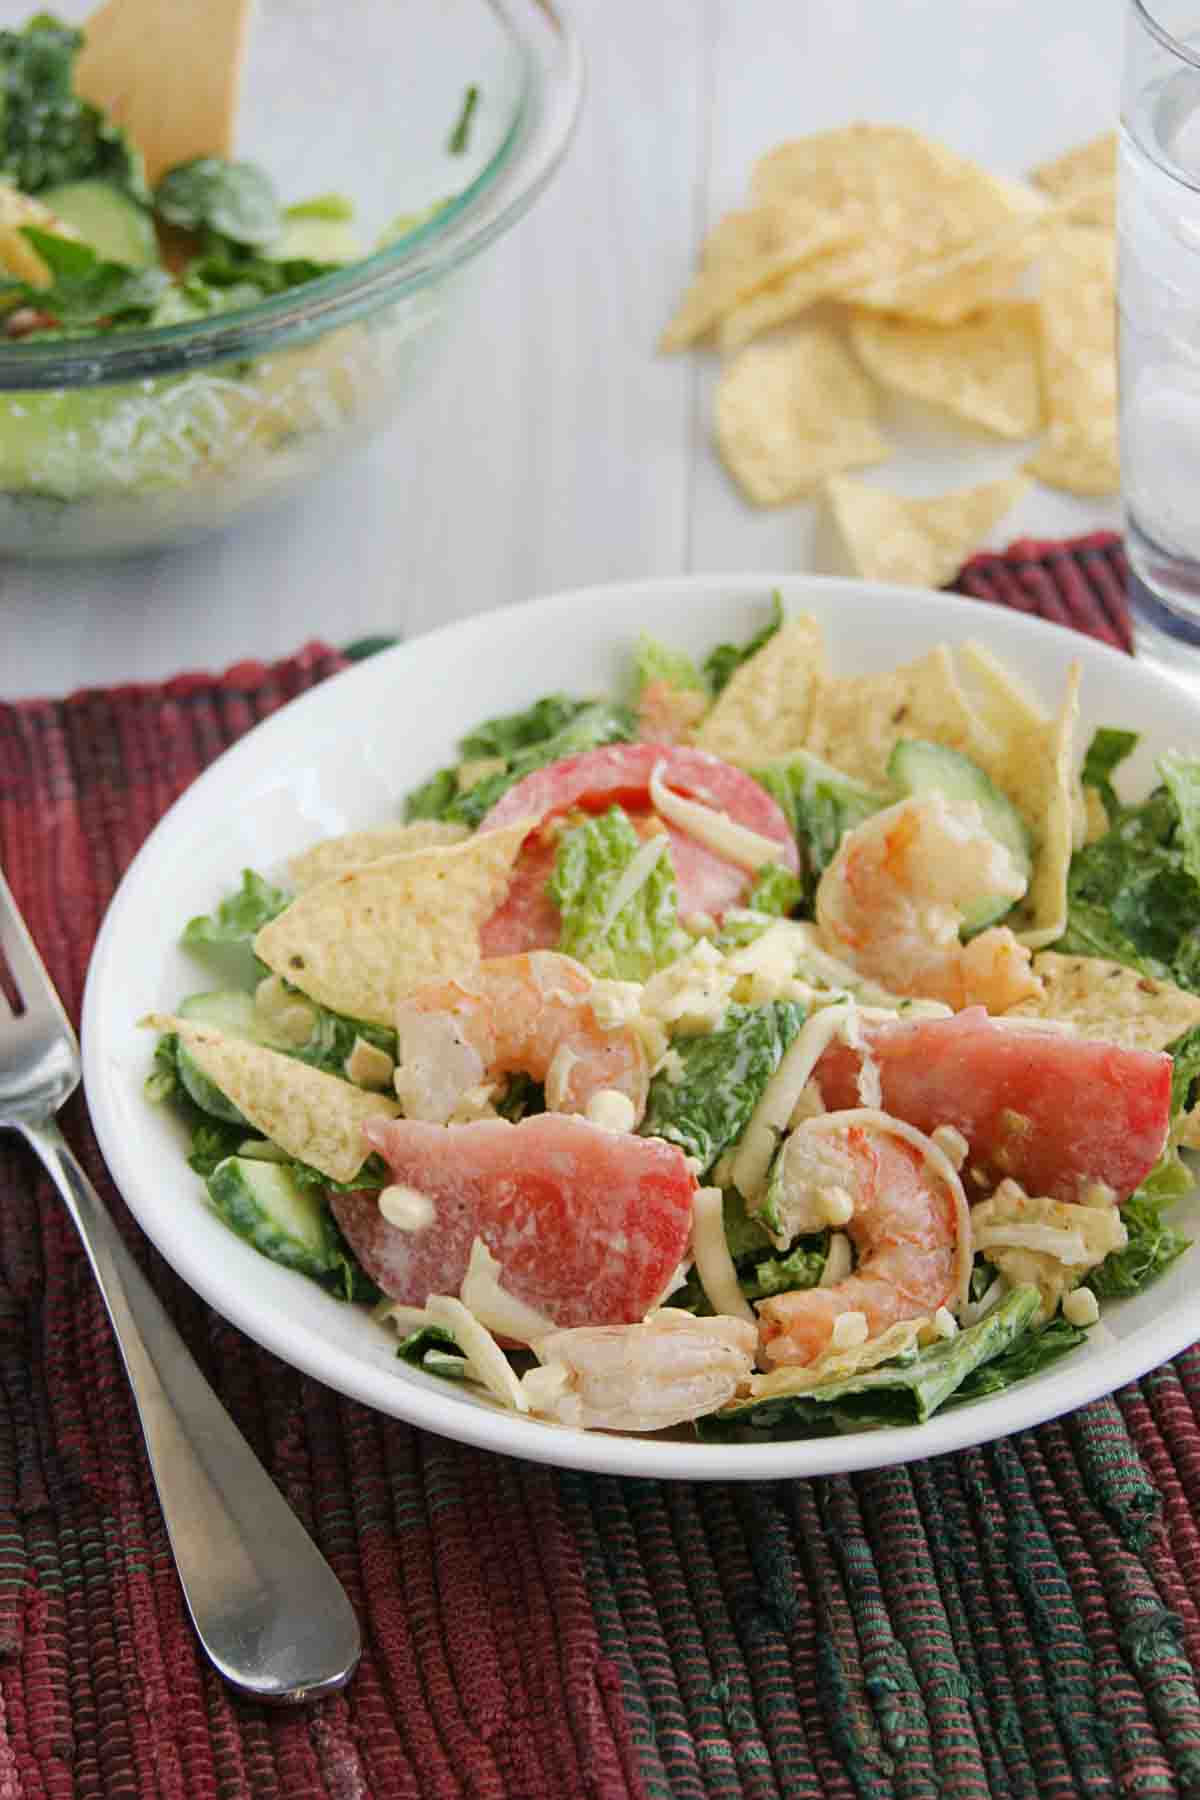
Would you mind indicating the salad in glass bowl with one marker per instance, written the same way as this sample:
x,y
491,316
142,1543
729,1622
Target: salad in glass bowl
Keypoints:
x,y
171,356
761,1051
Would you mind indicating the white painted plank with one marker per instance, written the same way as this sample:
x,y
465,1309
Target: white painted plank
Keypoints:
x,y
1010,84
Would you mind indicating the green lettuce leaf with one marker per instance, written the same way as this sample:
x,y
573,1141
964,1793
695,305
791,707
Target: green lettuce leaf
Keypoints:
x,y
1181,774
776,890
1028,1354
724,1073
433,1350
725,660
590,868
1153,1246
546,733
653,661
240,916
907,1391
1106,752
821,805
800,1267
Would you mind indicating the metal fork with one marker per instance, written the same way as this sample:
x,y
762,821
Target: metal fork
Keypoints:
x,y
267,1607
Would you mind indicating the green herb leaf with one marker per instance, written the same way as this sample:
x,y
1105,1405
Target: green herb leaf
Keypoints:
x,y
618,935
724,661
236,200
460,137
162,1083
724,1074
84,288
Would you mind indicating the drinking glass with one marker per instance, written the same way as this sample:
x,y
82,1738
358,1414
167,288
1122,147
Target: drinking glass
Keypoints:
x,y
1159,324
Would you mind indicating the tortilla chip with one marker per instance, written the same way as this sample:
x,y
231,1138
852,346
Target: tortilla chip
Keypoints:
x,y
858,719
984,370
1079,363
1034,766
332,855
360,940
791,412
918,199
921,542
946,289
764,709
1081,170
746,251
1105,1000
315,1117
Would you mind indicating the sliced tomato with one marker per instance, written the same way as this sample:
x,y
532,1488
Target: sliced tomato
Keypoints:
x,y
619,775
587,1225
1052,1111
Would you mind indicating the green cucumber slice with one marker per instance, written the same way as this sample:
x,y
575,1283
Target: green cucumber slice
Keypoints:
x,y
264,1205
917,767
115,226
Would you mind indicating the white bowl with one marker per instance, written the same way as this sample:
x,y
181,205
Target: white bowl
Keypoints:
x,y
343,757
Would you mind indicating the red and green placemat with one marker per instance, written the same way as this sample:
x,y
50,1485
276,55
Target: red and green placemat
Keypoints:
x,y
1017,1620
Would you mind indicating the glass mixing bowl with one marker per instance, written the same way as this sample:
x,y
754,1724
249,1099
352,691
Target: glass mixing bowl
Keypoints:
x,y
144,437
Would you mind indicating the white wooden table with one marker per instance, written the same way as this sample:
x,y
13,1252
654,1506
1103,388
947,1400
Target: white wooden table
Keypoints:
x,y
558,450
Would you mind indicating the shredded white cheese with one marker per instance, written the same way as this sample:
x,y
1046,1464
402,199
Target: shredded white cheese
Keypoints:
x,y
839,1260
769,1120
487,1361
558,1075
636,874
715,830
492,1304
404,1318
714,1265
406,1208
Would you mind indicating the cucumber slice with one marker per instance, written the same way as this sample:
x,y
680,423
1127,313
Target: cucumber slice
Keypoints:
x,y
227,1009
312,239
115,226
264,1205
917,767
206,1094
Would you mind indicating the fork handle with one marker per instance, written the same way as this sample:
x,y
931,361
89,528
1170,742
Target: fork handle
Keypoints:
x,y
267,1607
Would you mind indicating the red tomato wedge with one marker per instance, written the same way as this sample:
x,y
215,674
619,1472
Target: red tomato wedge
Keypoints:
x,y
587,1225
619,775
1054,1112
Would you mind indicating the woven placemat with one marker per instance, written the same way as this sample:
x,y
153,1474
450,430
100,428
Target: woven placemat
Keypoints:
x,y
1022,1619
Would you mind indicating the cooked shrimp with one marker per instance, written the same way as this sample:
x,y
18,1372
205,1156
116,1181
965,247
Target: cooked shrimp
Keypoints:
x,y
530,1013
895,894
909,1227
670,1368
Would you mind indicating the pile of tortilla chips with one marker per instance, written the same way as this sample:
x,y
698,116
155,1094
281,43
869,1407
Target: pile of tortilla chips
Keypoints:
x,y
880,261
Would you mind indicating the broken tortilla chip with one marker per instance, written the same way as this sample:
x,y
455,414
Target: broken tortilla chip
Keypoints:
x,y
857,720
746,251
923,542
315,1117
1107,1001
1079,369
332,855
359,941
764,709
984,370
793,411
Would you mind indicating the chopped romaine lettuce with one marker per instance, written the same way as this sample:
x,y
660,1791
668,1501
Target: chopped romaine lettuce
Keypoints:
x,y
724,1073
801,1267
212,1141
553,729
1028,1354
1106,752
907,1391
1185,1071
240,916
821,805
48,134
616,894
84,288
434,1350
1133,894
1153,1246
776,890
725,660
653,661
